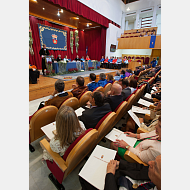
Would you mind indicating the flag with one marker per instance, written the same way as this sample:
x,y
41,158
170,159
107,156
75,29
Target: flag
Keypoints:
x,y
152,41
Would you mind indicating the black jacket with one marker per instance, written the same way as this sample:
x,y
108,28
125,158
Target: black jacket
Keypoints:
x,y
114,101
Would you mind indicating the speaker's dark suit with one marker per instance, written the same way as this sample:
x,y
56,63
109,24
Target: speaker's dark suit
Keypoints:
x,y
43,52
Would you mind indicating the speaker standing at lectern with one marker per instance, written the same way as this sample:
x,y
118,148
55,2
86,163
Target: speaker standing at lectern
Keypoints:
x,y
43,52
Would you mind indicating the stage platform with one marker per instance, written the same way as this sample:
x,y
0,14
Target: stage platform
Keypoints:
x,y
45,85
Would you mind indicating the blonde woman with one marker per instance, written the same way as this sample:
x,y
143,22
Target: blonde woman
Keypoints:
x,y
68,128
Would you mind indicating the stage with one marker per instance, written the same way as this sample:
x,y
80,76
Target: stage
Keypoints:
x,y
45,85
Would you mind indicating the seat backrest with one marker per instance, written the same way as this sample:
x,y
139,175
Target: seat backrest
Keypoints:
x,y
71,102
82,146
42,117
107,88
105,125
99,88
84,98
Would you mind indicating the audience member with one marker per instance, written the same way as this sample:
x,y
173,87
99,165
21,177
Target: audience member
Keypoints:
x,y
117,76
92,85
122,74
133,85
127,73
90,117
114,97
126,91
58,96
110,78
79,88
68,128
137,71
102,82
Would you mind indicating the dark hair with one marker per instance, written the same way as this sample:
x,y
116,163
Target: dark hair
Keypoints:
x,y
123,72
92,76
110,77
80,81
102,76
133,83
59,85
130,70
98,98
125,82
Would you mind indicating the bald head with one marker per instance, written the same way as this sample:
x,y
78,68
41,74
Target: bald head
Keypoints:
x,y
116,89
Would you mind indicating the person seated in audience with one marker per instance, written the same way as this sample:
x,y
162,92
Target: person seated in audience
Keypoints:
x,y
92,84
58,58
68,129
79,88
77,58
110,78
66,59
82,59
156,94
146,34
147,147
106,62
87,58
137,31
137,71
102,82
126,91
58,95
127,73
122,74
152,34
91,117
114,97
133,85
117,76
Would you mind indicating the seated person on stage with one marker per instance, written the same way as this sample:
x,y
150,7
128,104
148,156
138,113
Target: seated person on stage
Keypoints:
x,y
154,62
92,84
82,59
102,82
90,117
126,91
122,74
102,62
77,58
147,147
117,76
58,96
110,78
119,62
106,62
79,88
133,85
66,59
58,58
87,58
114,97
68,129
123,175
110,62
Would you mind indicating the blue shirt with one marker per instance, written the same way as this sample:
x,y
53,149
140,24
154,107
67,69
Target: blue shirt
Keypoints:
x,y
117,78
92,85
110,60
154,63
119,61
102,82
102,60
122,76
82,59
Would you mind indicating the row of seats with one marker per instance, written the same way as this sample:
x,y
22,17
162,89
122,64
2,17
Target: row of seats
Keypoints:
x,y
134,31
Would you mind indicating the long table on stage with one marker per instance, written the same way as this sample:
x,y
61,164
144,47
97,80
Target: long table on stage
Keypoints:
x,y
73,64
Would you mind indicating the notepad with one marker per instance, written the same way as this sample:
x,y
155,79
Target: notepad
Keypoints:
x,y
48,129
134,117
94,170
144,102
147,95
117,134
79,111
136,109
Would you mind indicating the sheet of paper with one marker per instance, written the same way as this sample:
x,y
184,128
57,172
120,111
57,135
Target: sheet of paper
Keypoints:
x,y
144,102
79,111
136,109
154,88
134,117
94,170
117,134
147,95
47,129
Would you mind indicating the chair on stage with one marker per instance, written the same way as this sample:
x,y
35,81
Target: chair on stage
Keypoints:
x,y
131,157
107,88
84,98
146,60
99,88
61,167
105,125
40,118
71,102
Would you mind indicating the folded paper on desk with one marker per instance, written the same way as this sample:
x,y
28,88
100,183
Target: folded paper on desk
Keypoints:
x,y
134,117
79,111
48,129
117,134
147,95
144,102
94,170
140,110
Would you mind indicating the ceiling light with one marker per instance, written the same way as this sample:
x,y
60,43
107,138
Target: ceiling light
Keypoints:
x,y
83,30
43,8
35,0
61,11
77,17
128,9
87,25
58,14
59,18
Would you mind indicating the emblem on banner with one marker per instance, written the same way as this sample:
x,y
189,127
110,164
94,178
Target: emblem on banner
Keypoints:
x,y
54,38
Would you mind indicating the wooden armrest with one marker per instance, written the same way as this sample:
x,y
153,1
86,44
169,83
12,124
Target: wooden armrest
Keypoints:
x,y
152,107
141,130
132,158
55,156
29,127
147,116
155,100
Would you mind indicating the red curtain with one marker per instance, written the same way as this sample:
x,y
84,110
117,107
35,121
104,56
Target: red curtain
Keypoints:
x,y
95,40
81,9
